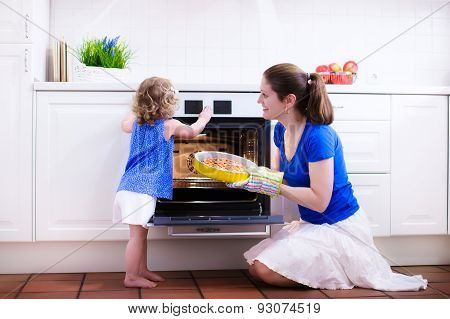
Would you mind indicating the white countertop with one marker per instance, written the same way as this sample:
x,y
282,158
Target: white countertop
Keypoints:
x,y
129,87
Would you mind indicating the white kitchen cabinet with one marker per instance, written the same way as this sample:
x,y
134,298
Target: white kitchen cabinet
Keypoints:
x,y
373,194
366,145
81,155
419,165
15,26
360,107
16,143
363,124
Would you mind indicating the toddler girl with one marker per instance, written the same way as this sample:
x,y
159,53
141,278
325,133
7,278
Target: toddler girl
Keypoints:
x,y
148,173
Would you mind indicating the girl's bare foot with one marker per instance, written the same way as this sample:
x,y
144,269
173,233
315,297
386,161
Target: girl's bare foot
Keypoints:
x,y
150,275
138,282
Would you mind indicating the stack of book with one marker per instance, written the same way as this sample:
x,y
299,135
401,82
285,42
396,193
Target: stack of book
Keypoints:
x,y
59,61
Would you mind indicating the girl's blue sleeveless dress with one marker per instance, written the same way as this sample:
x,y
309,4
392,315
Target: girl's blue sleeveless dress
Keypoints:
x,y
147,176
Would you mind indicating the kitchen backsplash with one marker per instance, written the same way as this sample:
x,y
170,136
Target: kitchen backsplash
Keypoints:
x,y
234,41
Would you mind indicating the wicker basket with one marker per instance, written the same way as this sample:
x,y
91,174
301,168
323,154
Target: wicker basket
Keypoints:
x,y
338,77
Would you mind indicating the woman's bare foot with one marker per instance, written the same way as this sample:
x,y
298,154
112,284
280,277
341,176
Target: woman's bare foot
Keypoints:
x,y
150,275
138,282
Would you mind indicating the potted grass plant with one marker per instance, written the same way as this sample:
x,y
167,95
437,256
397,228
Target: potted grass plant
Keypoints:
x,y
102,60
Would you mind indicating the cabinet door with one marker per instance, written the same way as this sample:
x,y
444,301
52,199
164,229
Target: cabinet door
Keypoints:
x,y
16,143
419,165
366,145
373,194
360,107
14,26
81,156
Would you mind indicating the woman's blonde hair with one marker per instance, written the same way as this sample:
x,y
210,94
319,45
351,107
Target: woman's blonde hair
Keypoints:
x,y
155,99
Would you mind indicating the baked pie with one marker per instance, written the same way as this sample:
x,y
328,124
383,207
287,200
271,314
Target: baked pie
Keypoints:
x,y
225,164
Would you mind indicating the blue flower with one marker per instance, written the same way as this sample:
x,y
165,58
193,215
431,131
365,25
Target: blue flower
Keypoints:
x,y
108,44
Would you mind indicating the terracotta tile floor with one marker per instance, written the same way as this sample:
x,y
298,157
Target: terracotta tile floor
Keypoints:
x,y
208,284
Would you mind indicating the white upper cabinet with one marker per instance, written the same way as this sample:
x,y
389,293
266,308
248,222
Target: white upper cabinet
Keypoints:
x,y
419,164
16,143
81,156
15,25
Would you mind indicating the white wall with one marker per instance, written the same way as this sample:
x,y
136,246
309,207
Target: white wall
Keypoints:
x,y
41,17
234,41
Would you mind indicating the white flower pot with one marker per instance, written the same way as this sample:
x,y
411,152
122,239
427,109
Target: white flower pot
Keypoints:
x,y
83,73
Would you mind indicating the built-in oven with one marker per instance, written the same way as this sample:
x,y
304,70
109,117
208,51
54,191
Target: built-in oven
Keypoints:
x,y
203,206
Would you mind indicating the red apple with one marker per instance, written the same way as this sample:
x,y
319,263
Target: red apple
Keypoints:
x,y
351,66
322,68
334,67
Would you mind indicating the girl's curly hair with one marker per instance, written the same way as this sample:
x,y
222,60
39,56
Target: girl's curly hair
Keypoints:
x,y
155,99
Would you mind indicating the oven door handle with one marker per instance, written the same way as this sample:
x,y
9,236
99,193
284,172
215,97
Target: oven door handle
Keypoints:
x,y
218,234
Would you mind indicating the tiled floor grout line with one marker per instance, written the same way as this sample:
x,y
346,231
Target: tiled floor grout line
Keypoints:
x,y
253,283
21,288
385,294
81,285
440,292
440,266
328,297
196,284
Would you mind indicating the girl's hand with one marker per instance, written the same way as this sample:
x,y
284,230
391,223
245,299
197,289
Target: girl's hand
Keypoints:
x,y
206,114
127,124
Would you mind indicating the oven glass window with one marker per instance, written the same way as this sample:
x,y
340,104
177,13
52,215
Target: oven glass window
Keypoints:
x,y
242,142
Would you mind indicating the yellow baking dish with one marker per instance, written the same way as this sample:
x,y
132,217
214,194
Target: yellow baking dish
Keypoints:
x,y
221,174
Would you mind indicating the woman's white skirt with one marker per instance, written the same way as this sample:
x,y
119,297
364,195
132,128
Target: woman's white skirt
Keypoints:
x,y
337,256
133,208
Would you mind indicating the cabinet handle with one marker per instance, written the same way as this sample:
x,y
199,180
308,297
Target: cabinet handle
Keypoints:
x,y
27,35
26,60
338,106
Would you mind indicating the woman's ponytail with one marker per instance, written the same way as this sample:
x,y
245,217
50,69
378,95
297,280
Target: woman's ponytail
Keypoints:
x,y
309,89
319,109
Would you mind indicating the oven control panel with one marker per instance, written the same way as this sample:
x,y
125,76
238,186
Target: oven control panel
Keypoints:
x,y
225,104
192,107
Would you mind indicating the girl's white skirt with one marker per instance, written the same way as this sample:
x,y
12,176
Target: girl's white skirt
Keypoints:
x,y
133,208
338,256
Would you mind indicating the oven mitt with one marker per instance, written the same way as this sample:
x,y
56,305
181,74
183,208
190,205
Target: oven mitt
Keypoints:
x,y
262,180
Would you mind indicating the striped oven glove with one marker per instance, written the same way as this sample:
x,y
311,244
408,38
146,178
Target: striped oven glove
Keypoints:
x,y
262,180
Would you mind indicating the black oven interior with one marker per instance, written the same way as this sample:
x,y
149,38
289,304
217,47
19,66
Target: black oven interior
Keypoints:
x,y
200,200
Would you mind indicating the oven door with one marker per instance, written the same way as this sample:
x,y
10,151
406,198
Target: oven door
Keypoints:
x,y
214,206
198,200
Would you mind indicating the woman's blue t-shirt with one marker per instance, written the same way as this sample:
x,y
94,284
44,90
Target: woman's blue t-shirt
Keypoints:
x,y
318,142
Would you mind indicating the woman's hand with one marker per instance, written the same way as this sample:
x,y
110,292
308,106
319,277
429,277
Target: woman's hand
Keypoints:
x,y
262,180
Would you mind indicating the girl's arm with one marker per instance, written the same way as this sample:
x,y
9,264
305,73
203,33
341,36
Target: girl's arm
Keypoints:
x,y
127,123
176,128
316,197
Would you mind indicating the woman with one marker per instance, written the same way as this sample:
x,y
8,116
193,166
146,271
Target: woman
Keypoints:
x,y
331,247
